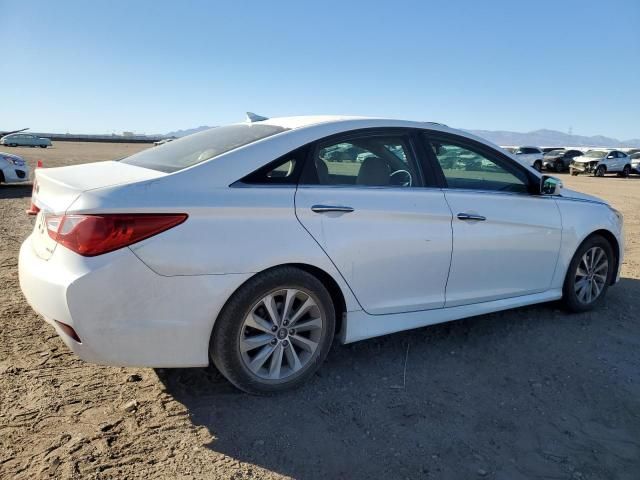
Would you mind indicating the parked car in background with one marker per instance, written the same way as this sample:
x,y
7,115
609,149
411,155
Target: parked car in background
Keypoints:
x,y
601,162
549,149
24,140
13,168
163,141
559,159
202,263
530,155
635,162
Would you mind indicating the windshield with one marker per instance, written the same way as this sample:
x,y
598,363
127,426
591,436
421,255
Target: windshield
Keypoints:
x,y
558,151
595,154
193,149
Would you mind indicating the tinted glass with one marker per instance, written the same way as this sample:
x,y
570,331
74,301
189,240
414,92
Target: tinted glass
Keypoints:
x,y
471,170
193,149
380,161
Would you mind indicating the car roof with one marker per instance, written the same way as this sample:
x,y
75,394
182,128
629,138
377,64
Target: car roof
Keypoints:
x,y
302,121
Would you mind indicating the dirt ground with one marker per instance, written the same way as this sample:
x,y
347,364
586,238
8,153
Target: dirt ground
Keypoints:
x,y
529,393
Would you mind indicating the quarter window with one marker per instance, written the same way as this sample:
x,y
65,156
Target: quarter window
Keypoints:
x,y
466,168
367,161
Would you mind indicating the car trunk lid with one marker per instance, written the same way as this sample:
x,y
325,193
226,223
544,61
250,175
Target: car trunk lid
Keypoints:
x,y
55,190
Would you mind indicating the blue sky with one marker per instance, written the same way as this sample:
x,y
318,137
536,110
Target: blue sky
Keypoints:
x,y
152,67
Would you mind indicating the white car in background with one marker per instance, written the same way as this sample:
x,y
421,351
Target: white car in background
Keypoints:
x,y
13,168
531,156
601,162
251,246
24,140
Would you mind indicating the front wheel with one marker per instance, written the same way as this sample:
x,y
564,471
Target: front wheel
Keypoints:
x,y
600,171
537,165
274,332
589,275
43,146
558,166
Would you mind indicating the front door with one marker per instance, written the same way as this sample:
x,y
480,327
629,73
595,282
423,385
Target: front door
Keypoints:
x,y
505,240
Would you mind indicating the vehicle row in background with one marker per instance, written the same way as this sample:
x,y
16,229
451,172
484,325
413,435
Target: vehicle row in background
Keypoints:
x,y
13,168
24,140
594,161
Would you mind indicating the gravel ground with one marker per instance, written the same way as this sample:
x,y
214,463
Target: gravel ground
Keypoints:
x,y
529,393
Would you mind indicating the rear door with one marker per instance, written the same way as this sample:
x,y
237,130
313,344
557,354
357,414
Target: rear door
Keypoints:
x,y
364,199
505,240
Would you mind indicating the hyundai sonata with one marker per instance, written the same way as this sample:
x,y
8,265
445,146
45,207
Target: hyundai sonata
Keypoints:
x,y
253,245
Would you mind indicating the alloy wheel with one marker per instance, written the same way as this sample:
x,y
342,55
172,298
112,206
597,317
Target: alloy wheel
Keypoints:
x,y
281,333
591,275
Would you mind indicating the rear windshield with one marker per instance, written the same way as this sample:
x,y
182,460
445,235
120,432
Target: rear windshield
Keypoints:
x,y
185,152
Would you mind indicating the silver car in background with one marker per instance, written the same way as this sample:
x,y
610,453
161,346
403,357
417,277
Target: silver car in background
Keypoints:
x,y
13,168
25,140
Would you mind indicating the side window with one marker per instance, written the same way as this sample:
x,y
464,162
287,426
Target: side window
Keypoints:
x,y
283,171
468,169
366,161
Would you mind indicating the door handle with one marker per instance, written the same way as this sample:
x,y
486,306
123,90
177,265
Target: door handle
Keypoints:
x,y
469,216
331,208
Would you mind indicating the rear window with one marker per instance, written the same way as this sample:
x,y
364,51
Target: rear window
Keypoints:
x,y
193,149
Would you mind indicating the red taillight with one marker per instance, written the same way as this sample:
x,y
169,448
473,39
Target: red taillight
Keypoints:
x,y
92,235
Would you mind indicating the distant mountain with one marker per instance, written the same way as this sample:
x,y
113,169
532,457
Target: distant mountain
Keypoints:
x,y
189,131
552,138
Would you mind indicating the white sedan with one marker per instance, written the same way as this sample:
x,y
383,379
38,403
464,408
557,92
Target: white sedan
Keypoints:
x,y
253,245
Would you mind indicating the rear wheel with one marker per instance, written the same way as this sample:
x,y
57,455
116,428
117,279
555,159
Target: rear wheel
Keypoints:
x,y
43,146
274,332
588,275
626,171
600,171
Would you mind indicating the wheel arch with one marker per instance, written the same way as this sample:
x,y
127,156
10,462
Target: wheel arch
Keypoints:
x,y
330,283
613,241
615,246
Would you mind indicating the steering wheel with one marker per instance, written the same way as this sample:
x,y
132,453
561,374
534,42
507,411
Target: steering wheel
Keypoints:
x,y
401,175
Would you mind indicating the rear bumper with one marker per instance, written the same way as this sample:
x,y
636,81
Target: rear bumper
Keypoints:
x,y
123,312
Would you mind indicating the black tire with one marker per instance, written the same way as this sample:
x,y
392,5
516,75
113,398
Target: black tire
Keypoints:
x,y
224,346
626,171
600,171
569,296
537,165
43,146
558,166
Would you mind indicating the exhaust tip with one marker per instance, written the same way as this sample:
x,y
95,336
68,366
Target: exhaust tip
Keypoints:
x,y
69,331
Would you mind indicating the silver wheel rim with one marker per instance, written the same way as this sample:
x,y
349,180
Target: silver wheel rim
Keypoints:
x,y
281,334
591,275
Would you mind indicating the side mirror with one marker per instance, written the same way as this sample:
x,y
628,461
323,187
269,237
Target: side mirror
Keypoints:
x,y
550,185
